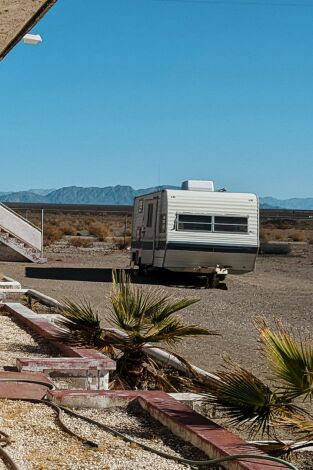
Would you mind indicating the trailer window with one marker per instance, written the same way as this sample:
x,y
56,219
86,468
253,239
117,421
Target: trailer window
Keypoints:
x,y
150,215
199,223
231,224
140,206
162,226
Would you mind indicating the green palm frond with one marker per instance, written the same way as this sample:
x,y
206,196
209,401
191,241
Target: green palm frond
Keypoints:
x,y
81,313
245,399
146,315
290,360
80,324
172,331
137,308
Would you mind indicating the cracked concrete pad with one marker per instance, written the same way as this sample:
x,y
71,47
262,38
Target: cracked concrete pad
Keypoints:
x,y
17,17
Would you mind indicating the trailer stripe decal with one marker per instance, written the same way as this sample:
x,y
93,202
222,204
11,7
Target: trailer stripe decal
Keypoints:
x,y
196,247
211,248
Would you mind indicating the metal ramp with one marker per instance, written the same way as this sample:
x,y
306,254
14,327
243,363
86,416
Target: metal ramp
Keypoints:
x,y
20,240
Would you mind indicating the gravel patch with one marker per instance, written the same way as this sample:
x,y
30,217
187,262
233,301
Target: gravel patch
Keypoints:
x,y
16,342
39,443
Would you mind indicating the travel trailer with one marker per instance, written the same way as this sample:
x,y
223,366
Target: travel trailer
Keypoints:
x,y
196,230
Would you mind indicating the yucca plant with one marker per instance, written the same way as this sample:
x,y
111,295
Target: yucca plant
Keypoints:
x,y
143,317
247,400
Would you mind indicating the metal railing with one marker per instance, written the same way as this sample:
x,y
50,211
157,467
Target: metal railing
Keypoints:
x,y
20,217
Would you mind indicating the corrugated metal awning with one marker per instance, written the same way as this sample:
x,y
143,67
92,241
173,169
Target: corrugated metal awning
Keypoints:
x,y
17,17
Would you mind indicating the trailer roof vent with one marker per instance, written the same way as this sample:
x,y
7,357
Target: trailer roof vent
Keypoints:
x,y
198,185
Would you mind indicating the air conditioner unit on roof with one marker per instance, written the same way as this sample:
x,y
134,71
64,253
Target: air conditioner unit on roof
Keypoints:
x,y
198,185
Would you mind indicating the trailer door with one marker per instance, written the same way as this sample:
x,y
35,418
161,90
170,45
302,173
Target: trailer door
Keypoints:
x,y
148,231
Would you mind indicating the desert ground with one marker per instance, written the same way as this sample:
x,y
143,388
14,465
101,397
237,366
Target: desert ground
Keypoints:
x,y
281,288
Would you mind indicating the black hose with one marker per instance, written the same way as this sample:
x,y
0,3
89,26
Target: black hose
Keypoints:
x,y
63,426
59,409
192,463
28,381
8,460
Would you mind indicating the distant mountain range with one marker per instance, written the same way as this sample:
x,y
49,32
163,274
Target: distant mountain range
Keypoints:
x,y
123,195
119,195
305,203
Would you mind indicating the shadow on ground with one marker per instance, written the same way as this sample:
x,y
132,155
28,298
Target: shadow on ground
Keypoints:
x,y
70,274
165,278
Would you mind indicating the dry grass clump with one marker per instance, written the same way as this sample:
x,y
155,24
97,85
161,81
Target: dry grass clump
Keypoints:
x,y
52,234
297,235
99,230
81,242
264,236
270,234
277,235
68,229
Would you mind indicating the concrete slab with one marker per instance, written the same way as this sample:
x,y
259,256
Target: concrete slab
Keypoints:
x,y
19,386
8,284
13,391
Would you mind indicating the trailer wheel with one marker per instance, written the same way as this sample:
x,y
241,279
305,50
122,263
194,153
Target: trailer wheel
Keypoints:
x,y
212,281
143,270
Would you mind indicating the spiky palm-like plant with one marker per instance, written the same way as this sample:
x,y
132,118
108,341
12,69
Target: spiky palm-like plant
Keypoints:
x,y
291,361
143,317
146,316
80,324
247,400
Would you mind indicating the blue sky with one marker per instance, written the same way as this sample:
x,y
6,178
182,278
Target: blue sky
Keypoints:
x,y
147,92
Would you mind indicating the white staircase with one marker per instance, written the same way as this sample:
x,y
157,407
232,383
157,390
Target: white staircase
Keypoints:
x,y
19,239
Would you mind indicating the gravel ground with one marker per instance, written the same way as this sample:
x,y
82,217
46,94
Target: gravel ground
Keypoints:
x,y
16,342
281,288
39,444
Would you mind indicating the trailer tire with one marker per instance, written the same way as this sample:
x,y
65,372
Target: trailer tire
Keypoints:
x,y
212,281
143,270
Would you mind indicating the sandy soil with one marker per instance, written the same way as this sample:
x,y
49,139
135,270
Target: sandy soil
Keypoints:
x,y
281,288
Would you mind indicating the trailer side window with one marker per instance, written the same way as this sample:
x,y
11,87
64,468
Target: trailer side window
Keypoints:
x,y
231,224
150,215
162,226
140,206
199,223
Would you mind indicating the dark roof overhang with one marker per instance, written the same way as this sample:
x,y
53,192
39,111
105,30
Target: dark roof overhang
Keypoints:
x,y
17,18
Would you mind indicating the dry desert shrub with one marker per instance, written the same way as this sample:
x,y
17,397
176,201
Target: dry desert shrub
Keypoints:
x,y
90,220
52,234
267,235
99,230
277,235
264,237
81,242
296,235
68,229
